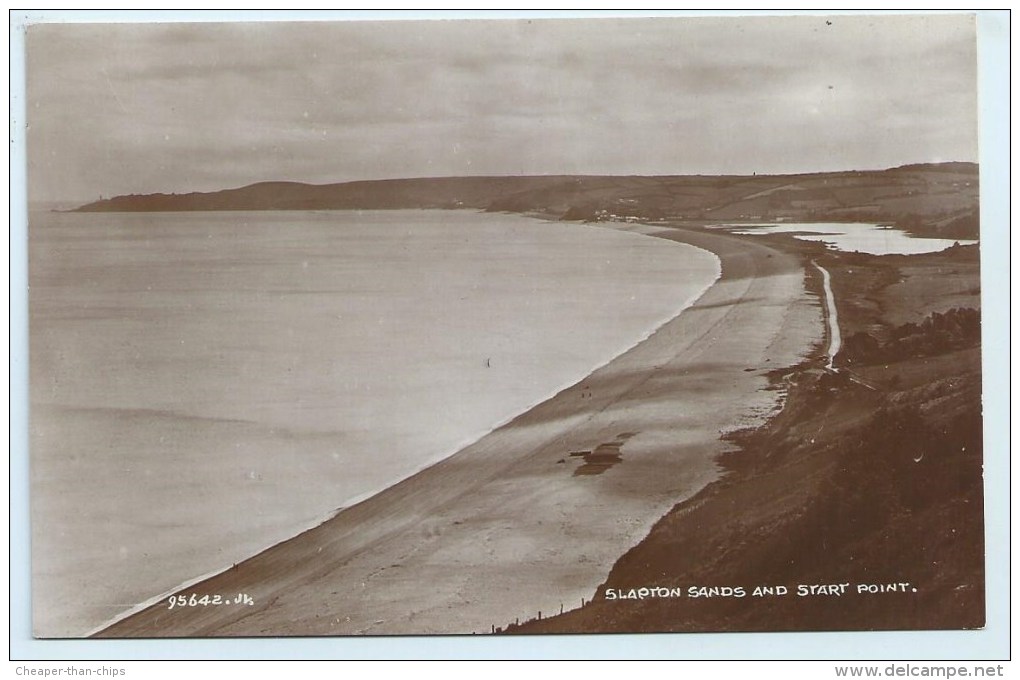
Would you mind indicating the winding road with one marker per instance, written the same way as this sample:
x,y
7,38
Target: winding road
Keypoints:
x,y
831,317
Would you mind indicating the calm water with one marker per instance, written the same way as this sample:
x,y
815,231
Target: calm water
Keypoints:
x,y
204,385
854,237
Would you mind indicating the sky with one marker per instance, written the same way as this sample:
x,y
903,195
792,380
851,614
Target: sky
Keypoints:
x,y
177,107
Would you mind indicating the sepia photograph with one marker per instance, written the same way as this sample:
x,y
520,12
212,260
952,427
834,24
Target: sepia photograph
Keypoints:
x,y
505,326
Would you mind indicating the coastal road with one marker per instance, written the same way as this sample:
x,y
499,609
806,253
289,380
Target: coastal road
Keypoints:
x,y
831,316
531,517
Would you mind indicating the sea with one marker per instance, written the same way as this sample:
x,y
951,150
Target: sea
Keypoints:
x,y
204,385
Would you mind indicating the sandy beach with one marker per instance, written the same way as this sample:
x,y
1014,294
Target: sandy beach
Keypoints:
x,y
531,517
887,454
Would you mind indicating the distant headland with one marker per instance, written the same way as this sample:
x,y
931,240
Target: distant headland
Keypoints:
x,y
931,199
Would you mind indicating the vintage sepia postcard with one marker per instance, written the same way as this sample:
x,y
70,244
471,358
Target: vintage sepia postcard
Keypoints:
x,y
506,326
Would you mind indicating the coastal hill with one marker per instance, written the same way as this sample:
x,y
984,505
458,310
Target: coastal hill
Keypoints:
x,y
926,199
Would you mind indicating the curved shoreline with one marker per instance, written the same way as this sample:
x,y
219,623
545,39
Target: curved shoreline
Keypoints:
x,y
508,525
682,300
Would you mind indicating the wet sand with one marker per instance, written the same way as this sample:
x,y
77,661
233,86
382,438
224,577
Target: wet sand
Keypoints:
x,y
532,517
